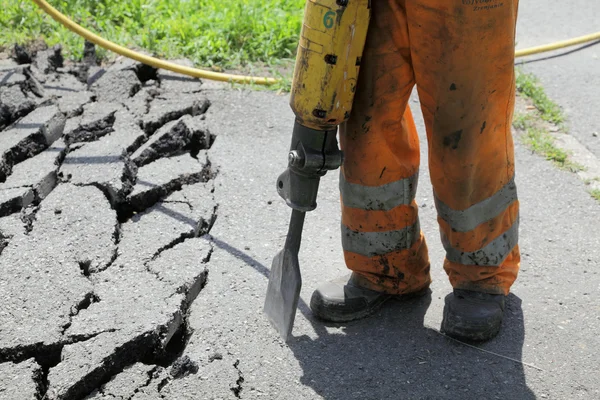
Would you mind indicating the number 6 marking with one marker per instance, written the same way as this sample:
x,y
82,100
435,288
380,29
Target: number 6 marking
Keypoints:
x,y
328,19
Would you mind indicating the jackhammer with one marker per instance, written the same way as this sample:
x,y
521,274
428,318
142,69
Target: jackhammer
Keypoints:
x,y
325,77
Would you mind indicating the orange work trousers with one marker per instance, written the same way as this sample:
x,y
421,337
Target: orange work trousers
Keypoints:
x,y
460,55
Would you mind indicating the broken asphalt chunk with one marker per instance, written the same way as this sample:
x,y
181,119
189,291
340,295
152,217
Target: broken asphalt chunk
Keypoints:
x,y
14,104
120,337
164,176
71,95
14,199
184,134
178,83
21,55
116,86
167,223
96,121
166,108
32,180
30,136
163,293
21,381
85,365
105,163
139,104
122,385
49,60
183,267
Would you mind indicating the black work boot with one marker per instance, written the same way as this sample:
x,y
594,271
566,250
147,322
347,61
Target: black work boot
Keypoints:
x,y
343,300
472,316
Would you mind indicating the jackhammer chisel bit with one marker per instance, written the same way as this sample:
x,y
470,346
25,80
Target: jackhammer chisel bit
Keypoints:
x,y
313,154
325,77
285,280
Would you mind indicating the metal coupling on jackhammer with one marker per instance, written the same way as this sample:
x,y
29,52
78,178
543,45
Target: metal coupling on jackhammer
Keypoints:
x,y
312,154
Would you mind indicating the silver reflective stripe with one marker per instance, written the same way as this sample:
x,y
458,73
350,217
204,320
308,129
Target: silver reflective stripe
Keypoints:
x,y
477,214
491,255
384,197
371,244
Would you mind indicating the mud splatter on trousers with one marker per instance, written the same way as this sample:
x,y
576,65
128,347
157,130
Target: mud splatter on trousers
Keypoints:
x,y
460,56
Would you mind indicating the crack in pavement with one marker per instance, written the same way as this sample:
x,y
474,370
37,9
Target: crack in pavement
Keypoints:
x,y
115,224
28,216
237,389
19,103
96,121
151,376
87,300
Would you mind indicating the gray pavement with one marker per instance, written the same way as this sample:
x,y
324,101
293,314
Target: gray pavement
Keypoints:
x,y
570,76
134,261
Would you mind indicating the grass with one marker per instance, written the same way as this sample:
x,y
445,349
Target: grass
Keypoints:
x,y
541,142
529,86
522,121
224,34
589,181
535,131
595,192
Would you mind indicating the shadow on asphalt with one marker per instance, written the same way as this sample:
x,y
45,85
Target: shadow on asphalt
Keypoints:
x,y
394,355
60,88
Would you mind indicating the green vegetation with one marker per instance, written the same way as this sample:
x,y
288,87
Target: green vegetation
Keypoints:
x,y
529,86
523,121
541,142
535,132
212,33
595,193
592,180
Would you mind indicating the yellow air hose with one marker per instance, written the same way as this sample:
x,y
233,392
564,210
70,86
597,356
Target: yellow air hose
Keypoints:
x,y
558,45
217,76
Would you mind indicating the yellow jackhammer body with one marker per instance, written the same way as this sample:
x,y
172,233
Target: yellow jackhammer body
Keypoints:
x,y
325,78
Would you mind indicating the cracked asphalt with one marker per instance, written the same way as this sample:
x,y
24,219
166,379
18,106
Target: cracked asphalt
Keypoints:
x,y
106,199
138,222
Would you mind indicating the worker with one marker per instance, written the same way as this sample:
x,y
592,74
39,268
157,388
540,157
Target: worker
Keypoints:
x,y
460,56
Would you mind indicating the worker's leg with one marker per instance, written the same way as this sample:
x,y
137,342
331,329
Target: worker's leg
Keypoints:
x,y
381,237
463,58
